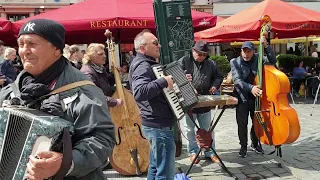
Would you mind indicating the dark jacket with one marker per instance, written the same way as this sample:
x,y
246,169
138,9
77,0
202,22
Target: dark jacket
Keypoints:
x,y
94,136
77,65
148,93
8,70
204,76
103,80
241,70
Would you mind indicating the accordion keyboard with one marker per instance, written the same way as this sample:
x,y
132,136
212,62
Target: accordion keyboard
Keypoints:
x,y
182,97
173,96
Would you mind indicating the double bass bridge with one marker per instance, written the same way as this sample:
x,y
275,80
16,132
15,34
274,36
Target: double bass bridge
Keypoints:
x,y
134,156
263,124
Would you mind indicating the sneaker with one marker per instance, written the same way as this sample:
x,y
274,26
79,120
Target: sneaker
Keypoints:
x,y
258,149
243,152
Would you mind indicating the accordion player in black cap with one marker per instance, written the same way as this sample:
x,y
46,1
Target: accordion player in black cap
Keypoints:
x,y
48,83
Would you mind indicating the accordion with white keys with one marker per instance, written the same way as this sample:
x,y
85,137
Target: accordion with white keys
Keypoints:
x,y
25,132
182,97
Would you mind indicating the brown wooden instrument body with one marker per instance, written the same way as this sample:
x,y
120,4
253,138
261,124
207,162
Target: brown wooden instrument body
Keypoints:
x,y
282,120
130,155
121,159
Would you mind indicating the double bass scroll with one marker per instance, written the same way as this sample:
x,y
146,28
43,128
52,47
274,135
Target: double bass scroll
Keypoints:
x,y
131,154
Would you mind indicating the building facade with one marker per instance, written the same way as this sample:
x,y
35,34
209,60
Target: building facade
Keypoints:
x,y
15,10
226,8
202,5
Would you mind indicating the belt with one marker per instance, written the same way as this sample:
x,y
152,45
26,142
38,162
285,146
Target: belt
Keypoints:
x,y
166,128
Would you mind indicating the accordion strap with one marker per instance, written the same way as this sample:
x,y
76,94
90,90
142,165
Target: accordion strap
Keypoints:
x,y
70,86
64,88
67,156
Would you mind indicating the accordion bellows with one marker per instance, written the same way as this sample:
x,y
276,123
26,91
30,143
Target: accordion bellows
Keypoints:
x,y
24,132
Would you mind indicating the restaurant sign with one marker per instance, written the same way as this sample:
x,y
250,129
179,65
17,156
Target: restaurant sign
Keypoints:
x,y
118,23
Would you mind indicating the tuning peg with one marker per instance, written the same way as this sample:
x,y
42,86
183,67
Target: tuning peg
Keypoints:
x,y
108,33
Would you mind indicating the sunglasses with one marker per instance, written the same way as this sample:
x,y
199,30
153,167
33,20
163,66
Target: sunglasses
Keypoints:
x,y
156,43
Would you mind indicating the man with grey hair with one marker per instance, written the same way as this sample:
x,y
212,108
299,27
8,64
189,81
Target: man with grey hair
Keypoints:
x,y
41,42
157,118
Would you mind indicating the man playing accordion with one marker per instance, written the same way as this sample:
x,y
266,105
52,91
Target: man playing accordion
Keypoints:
x,y
41,44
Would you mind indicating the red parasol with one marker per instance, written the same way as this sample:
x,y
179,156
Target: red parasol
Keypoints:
x,y
288,21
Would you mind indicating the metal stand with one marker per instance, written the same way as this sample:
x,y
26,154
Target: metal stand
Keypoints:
x,y
211,128
316,97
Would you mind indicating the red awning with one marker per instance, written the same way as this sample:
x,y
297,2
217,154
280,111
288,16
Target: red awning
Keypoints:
x,y
5,30
86,22
288,21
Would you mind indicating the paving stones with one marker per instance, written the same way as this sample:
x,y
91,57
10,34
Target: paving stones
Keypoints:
x,y
258,168
300,160
266,173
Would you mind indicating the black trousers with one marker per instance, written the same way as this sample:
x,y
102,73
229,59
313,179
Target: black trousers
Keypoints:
x,y
243,110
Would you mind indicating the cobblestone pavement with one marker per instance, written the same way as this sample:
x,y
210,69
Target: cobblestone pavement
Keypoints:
x,y
300,160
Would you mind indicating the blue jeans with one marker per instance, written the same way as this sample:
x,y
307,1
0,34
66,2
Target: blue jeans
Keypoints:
x,y
204,123
162,153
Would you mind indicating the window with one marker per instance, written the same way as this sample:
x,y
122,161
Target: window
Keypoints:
x,y
17,17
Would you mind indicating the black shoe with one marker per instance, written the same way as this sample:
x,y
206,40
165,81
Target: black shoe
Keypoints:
x,y
257,148
243,152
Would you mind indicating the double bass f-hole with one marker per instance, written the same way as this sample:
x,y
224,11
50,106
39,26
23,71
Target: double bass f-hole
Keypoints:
x,y
274,110
120,128
136,124
119,136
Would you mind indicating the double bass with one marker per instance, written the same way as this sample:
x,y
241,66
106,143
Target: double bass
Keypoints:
x,y
130,155
275,122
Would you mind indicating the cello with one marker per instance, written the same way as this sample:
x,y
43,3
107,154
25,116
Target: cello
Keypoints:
x,y
275,122
130,155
